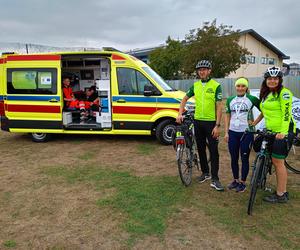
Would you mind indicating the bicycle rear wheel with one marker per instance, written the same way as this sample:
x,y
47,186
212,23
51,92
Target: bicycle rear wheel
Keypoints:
x,y
255,182
185,164
292,162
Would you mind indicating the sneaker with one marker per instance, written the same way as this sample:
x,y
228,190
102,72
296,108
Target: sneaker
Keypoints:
x,y
233,185
203,178
241,188
287,195
217,185
275,198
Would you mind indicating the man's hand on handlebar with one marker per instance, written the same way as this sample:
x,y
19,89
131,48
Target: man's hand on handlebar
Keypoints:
x,y
179,118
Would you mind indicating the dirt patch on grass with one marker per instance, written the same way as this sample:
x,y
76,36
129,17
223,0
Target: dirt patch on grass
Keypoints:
x,y
60,215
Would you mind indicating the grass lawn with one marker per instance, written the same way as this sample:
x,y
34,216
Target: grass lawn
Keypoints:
x,y
91,192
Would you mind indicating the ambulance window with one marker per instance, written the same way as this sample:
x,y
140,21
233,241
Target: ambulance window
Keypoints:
x,y
141,81
131,81
127,81
32,81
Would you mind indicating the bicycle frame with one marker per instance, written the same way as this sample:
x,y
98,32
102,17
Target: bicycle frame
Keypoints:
x,y
186,136
265,154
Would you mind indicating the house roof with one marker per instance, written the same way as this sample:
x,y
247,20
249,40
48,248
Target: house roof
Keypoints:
x,y
146,51
265,42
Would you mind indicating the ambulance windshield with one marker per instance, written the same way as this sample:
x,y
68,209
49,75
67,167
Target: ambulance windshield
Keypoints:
x,y
157,78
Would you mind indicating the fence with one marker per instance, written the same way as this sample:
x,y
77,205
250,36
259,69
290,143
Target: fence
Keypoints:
x,y
291,82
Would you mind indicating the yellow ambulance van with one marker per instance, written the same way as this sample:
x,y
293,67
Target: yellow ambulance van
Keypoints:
x,y
133,99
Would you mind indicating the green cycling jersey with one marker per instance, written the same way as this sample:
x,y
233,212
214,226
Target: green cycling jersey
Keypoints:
x,y
277,111
206,94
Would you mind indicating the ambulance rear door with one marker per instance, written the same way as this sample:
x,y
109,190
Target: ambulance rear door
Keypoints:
x,y
33,99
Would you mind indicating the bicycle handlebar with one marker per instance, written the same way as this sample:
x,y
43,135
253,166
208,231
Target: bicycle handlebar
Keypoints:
x,y
265,133
188,114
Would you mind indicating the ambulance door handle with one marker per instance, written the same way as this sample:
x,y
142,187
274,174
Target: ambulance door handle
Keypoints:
x,y
53,100
121,101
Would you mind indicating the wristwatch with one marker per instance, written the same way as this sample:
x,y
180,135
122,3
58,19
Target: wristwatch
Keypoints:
x,y
218,125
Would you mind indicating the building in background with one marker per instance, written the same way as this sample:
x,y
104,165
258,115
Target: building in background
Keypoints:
x,y
294,69
264,55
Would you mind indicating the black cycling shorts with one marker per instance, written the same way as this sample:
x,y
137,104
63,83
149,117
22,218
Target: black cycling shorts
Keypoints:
x,y
280,149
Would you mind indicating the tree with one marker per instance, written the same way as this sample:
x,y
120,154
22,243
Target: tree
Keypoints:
x,y
217,44
167,61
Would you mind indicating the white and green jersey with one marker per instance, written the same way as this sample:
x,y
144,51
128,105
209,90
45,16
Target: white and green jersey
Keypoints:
x,y
239,108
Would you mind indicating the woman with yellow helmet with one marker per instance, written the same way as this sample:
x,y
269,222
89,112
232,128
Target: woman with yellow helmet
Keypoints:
x,y
238,109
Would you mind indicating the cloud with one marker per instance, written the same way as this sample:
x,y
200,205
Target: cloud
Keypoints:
x,y
129,24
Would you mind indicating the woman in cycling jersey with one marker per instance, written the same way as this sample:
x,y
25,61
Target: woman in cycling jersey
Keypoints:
x,y
238,110
276,108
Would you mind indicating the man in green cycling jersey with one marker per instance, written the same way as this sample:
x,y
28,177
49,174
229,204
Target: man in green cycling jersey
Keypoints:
x,y
276,108
208,113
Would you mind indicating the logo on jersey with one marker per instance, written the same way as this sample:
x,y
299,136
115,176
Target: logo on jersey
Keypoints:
x,y
210,91
286,112
286,96
219,96
237,106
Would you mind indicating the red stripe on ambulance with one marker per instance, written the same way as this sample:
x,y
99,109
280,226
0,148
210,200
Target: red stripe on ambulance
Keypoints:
x,y
134,110
33,58
117,57
33,108
138,110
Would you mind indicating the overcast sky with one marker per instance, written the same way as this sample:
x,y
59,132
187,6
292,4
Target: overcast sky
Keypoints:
x,y
129,24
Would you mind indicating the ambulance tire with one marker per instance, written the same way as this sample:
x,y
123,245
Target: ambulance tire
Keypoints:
x,y
164,131
40,137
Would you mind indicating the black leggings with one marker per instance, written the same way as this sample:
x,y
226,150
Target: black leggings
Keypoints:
x,y
203,130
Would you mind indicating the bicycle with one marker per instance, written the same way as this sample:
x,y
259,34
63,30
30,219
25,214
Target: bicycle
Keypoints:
x,y
293,158
186,147
262,165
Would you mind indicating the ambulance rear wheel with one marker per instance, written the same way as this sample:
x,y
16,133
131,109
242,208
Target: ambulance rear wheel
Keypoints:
x,y
164,131
40,137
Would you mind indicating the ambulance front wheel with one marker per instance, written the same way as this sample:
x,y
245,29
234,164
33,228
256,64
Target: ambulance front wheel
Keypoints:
x,y
40,137
164,131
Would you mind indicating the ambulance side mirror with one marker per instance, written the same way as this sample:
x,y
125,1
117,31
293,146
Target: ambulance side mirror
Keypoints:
x,y
148,90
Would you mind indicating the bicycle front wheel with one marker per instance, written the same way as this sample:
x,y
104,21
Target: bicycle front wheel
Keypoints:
x,y
255,182
292,162
185,166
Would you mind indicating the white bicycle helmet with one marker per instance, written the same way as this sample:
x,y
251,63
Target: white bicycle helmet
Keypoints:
x,y
203,64
273,72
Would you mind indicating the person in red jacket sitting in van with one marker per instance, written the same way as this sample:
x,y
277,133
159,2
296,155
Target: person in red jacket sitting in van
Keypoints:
x,y
70,101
